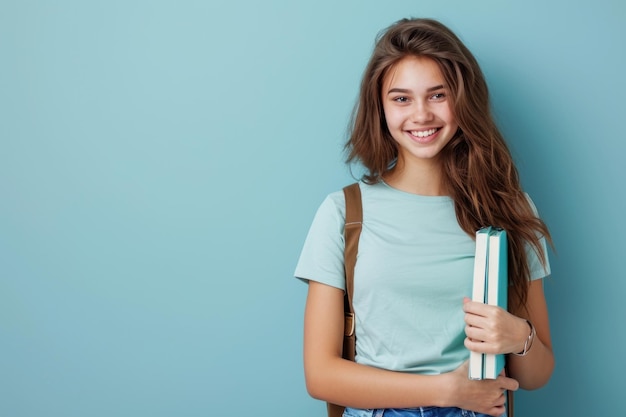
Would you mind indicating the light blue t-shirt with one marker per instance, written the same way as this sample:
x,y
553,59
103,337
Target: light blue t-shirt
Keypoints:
x,y
414,266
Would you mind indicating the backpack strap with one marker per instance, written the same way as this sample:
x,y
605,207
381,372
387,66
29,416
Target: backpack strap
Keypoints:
x,y
510,407
352,232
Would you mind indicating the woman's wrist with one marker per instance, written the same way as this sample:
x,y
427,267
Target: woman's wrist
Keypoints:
x,y
528,342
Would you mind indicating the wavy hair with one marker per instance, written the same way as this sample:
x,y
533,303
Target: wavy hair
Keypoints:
x,y
478,169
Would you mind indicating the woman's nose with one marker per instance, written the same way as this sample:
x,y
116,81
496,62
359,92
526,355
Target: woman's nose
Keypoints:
x,y
422,113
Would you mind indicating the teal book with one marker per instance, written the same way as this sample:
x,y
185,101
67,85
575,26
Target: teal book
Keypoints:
x,y
496,291
476,359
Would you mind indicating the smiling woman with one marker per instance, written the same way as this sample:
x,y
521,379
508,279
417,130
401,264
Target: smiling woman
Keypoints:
x,y
419,117
437,169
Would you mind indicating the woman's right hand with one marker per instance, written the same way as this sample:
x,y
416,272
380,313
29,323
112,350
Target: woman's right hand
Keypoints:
x,y
485,396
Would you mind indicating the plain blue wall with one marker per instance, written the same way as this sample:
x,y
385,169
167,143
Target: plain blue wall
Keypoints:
x,y
160,163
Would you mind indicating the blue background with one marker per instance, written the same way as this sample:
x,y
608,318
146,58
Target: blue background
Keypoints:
x,y
161,161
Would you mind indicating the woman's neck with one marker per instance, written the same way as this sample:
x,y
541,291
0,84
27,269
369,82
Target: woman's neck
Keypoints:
x,y
423,179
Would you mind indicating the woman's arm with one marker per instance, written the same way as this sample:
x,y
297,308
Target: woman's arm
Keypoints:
x,y
493,330
331,378
534,370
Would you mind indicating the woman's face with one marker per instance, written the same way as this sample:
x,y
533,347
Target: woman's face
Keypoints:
x,y
417,109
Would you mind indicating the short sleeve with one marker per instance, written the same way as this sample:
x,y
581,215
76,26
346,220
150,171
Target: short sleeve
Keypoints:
x,y
321,259
537,269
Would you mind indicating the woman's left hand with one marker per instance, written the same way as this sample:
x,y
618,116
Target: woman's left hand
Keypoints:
x,y
491,329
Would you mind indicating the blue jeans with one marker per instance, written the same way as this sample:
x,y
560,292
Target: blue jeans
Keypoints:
x,y
413,412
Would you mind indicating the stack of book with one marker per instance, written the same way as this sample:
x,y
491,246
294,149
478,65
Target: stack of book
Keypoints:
x,y
490,287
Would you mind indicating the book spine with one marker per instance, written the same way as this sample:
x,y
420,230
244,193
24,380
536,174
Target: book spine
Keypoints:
x,y
497,292
476,359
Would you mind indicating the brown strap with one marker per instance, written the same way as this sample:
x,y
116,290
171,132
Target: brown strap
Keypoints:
x,y
510,407
352,232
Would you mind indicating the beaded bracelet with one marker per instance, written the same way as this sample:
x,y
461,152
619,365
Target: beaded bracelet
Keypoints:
x,y
529,342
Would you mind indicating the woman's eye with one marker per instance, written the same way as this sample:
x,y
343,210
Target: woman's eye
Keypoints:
x,y
401,99
438,96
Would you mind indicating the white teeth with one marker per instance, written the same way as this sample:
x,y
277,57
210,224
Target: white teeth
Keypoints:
x,y
423,133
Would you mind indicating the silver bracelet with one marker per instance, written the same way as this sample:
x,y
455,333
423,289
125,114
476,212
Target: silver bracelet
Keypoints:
x,y
529,341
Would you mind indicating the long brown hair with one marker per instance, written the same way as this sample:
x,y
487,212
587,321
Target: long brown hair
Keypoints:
x,y
478,170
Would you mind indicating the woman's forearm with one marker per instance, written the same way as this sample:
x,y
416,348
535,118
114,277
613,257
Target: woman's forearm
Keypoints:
x,y
347,383
533,370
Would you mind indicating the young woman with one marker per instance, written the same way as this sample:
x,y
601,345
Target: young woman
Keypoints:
x,y
437,169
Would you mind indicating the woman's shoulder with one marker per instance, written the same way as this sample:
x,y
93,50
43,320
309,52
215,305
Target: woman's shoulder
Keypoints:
x,y
332,209
335,200
531,203
334,204
337,197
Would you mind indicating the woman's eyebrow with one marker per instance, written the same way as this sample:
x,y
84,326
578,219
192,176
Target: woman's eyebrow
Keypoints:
x,y
435,88
399,90
407,91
